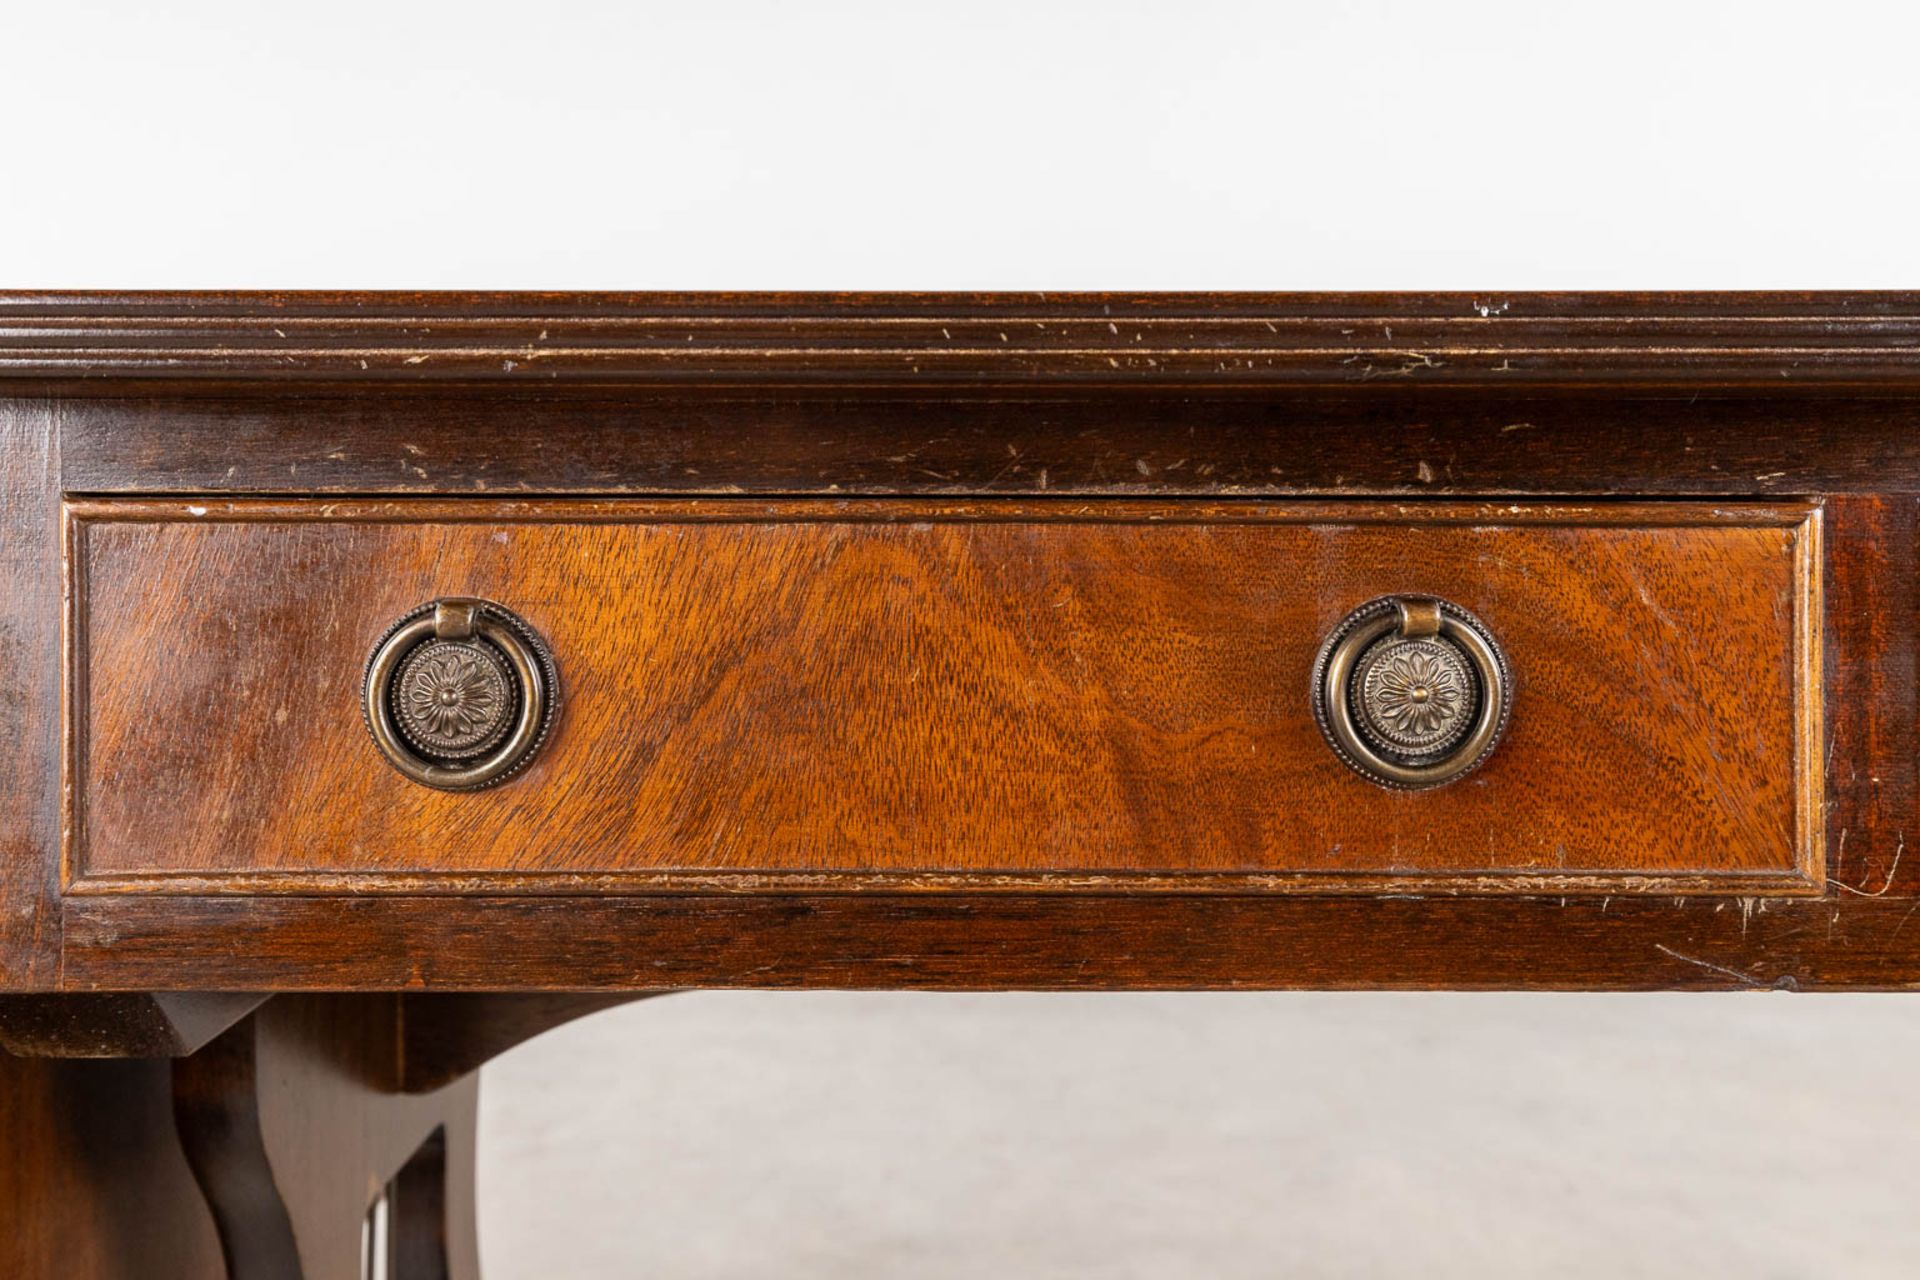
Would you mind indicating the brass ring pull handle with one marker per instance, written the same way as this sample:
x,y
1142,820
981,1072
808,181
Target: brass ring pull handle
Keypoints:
x,y
459,694
1411,692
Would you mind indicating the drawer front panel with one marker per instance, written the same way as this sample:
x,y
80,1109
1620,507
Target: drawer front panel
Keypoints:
x,y
916,695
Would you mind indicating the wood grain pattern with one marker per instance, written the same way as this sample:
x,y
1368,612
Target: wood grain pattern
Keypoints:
x,y
1246,339
30,780
1864,934
986,695
982,942
1723,398
1873,583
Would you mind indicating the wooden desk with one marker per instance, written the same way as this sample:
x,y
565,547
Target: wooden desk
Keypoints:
x,y
385,678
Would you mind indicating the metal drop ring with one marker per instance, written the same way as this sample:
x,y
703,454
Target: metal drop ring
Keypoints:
x,y
1433,697
459,694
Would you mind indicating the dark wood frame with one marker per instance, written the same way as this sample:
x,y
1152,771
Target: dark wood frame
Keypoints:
x,y
1812,397
1623,341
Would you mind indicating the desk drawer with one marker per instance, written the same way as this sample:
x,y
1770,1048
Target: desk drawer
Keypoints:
x,y
908,694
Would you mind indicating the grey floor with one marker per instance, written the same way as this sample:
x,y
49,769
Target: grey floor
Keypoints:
x,y
732,1135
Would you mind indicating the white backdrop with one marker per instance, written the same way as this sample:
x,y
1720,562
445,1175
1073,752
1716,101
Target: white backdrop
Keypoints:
x,y
1032,145
1112,144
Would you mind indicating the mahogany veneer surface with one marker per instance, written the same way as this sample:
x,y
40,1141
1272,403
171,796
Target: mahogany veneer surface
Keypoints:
x,y
809,743
1042,694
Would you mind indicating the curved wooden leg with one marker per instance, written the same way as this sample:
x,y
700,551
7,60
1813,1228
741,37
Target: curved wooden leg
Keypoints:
x,y
92,1186
431,1230
287,1121
294,1124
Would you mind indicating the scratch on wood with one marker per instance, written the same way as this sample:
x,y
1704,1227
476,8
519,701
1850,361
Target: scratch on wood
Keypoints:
x,y
1893,870
1746,979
